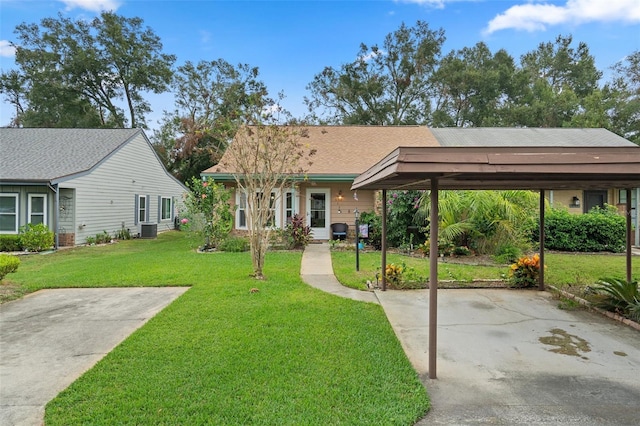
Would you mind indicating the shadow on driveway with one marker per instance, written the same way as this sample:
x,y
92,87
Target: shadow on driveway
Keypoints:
x,y
49,338
513,357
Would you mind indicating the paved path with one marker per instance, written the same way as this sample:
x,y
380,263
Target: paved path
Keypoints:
x,y
49,338
494,361
317,271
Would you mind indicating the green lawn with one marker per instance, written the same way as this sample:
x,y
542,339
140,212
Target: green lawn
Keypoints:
x,y
562,268
288,354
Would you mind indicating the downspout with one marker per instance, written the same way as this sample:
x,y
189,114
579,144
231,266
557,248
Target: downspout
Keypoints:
x,y
551,198
56,213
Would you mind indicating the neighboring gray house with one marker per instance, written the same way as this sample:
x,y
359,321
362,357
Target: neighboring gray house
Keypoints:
x,y
81,182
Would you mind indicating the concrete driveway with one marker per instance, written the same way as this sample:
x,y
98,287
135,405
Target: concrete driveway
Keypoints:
x,y
513,357
49,338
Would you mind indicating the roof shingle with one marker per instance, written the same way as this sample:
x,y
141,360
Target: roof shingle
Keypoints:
x,y
43,154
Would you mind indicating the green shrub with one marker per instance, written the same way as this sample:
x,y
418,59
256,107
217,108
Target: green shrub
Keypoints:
x,y
103,238
123,234
234,244
507,253
620,296
401,225
8,264
598,230
36,237
10,242
375,228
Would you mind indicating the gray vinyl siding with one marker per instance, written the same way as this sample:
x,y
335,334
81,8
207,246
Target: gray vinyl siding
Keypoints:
x,y
105,197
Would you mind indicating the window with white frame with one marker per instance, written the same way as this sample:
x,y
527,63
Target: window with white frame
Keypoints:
x,y
275,210
142,208
37,209
9,213
166,208
241,211
288,207
271,216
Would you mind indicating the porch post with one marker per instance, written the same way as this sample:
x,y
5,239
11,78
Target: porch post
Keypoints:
x,y
541,277
433,278
383,239
628,248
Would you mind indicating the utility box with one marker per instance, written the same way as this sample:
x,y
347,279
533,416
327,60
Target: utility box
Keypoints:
x,y
148,230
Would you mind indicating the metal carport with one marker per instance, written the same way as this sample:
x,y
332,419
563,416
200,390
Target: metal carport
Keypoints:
x,y
502,167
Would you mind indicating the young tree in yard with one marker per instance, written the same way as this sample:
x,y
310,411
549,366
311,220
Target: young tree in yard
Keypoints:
x,y
266,158
79,73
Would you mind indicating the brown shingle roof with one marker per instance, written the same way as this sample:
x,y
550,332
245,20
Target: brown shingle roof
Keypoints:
x,y
350,150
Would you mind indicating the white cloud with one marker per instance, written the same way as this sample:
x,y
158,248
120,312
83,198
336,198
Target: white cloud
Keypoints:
x,y
538,16
369,56
205,36
438,4
92,5
6,49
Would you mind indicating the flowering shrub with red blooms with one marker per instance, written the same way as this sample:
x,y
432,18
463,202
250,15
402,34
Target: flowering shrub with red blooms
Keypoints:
x,y
525,272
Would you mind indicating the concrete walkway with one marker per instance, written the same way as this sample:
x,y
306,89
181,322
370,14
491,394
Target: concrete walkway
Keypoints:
x,y
317,271
509,356
49,338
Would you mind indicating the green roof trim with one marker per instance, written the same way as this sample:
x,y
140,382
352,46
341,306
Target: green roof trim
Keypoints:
x,y
226,177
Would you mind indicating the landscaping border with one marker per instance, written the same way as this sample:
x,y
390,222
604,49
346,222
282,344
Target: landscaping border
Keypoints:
x,y
586,303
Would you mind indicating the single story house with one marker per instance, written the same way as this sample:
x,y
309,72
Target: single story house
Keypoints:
x,y
82,182
325,197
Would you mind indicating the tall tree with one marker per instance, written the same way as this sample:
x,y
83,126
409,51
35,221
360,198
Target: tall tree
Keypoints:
x,y
472,84
69,68
211,100
553,81
385,85
625,114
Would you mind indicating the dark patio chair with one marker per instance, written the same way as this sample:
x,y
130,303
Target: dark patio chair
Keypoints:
x,y
339,231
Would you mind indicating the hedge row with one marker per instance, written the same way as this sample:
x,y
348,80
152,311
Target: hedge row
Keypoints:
x,y
598,230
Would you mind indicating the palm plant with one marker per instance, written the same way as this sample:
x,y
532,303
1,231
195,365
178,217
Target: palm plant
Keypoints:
x,y
620,296
484,220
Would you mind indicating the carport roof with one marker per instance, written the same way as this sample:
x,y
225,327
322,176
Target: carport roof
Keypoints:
x,y
510,158
515,167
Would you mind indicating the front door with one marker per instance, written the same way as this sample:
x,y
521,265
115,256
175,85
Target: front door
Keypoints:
x,y
318,203
594,199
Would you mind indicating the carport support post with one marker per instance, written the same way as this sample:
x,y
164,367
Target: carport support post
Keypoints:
x,y
541,277
628,217
384,240
433,278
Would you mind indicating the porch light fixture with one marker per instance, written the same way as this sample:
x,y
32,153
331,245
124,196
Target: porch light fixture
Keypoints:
x,y
340,198
575,202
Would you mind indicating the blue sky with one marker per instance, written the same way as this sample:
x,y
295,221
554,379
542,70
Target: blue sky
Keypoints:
x,y
291,41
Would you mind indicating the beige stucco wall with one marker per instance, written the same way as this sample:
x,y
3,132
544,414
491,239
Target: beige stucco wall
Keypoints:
x,y
564,198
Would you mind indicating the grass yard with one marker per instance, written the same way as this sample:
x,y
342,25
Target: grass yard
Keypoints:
x,y
562,268
220,354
